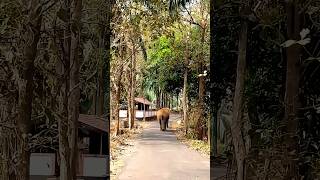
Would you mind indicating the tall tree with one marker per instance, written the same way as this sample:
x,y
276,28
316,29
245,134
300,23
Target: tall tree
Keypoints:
x,y
132,86
117,77
68,124
292,102
201,71
30,35
185,85
238,101
74,92
213,115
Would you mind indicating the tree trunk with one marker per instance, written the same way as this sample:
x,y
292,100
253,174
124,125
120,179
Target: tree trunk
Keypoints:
x,y
161,99
25,87
117,101
100,98
132,88
128,83
294,24
143,48
158,99
74,92
168,100
144,112
177,104
92,109
165,100
68,125
214,107
129,98
237,137
129,94
201,81
184,94
108,57
201,107
118,93
100,91
63,124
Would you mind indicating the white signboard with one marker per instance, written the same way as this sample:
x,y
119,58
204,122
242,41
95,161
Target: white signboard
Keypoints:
x,y
95,166
42,164
139,114
123,113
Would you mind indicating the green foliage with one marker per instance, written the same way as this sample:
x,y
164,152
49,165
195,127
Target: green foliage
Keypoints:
x,y
163,67
265,86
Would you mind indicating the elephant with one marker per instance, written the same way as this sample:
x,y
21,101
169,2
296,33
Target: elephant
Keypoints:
x,y
163,118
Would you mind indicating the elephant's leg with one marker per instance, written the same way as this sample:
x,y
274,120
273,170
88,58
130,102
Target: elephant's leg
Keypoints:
x,y
163,124
167,124
160,124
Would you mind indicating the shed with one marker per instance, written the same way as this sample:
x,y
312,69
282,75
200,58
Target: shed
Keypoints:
x,y
142,109
94,130
93,153
143,103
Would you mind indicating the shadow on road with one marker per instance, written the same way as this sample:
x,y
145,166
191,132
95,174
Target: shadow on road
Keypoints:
x,y
170,130
154,149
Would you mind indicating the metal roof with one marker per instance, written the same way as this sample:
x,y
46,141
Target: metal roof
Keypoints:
x,y
94,121
142,100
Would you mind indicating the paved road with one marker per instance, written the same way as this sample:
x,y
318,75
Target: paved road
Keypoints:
x,y
159,156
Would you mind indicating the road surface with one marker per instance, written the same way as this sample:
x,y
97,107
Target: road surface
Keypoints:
x,y
160,156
